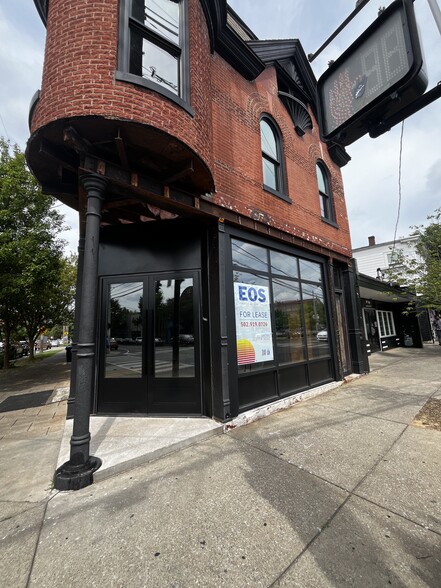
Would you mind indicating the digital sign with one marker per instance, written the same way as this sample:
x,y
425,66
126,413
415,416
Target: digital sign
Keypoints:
x,y
375,77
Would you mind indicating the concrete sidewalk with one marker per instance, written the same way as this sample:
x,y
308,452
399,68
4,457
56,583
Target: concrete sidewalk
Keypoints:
x,y
340,490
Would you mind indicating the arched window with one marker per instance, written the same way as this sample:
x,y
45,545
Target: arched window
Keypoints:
x,y
326,204
272,160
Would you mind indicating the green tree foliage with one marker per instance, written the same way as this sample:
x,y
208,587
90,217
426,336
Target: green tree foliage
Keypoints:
x,y
36,281
422,274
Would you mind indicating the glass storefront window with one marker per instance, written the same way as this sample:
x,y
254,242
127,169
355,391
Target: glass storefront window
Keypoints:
x,y
288,321
299,329
316,327
386,323
311,271
284,265
124,332
249,256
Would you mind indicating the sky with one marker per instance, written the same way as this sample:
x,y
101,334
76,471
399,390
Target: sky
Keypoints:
x,y
386,193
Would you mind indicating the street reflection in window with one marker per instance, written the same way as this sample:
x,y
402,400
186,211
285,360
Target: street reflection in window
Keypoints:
x,y
316,327
124,330
174,329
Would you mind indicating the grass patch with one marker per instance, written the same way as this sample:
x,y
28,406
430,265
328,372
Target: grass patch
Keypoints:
x,y
40,356
25,362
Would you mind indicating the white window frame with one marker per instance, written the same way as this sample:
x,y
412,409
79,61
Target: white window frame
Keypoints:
x,y
386,323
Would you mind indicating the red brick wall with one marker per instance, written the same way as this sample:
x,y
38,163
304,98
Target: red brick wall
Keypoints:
x,y
79,74
79,80
237,107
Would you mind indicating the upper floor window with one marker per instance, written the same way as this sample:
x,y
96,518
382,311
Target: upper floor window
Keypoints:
x,y
393,258
153,49
272,157
326,204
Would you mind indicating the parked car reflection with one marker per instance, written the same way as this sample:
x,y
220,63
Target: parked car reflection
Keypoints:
x,y
322,335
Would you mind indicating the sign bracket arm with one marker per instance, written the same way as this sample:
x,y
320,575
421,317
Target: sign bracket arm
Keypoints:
x,y
418,104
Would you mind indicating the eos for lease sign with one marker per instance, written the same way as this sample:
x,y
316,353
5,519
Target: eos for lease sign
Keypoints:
x,y
253,323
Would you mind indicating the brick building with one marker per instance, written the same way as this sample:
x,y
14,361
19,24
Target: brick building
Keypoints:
x,y
214,241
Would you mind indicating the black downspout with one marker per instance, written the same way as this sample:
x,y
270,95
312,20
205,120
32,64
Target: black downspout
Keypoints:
x,y
357,343
338,368
78,472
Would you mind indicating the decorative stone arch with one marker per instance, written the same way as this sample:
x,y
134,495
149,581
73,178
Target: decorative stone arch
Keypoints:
x,y
256,105
314,154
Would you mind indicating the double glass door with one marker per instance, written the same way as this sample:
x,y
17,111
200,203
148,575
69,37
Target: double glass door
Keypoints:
x,y
150,360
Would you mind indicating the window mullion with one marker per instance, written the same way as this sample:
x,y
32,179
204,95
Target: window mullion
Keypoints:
x,y
155,38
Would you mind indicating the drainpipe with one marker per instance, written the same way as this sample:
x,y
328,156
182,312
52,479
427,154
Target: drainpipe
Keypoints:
x,y
78,472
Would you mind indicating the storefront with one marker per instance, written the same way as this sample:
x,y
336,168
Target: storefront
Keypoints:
x,y
214,250
210,320
387,321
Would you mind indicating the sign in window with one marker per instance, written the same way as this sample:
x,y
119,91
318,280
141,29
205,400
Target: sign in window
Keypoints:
x,y
253,323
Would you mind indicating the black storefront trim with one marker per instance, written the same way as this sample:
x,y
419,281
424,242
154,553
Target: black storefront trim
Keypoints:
x,y
254,389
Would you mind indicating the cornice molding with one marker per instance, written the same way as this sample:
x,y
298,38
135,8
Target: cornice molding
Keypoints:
x,y
42,7
227,42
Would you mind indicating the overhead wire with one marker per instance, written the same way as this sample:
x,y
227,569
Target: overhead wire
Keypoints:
x,y
4,126
400,161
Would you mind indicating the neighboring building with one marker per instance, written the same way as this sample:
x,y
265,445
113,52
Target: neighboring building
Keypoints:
x,y
385,323
376,258
214,238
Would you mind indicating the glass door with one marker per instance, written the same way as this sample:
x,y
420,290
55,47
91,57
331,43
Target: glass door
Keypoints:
x,y
371,329
149,352
173,345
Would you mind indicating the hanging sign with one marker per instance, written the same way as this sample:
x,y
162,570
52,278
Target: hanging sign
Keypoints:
x,y
253,323
375,78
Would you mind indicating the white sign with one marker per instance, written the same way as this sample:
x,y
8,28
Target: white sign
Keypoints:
x,y
253,323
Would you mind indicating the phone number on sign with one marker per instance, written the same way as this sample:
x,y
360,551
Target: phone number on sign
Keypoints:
x,y
253,324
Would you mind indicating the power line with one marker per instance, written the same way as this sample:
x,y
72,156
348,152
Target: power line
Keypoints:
x,y
4,126
400,161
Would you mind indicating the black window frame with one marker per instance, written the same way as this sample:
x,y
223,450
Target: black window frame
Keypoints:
x,y
279,163
251,388
181,52
326,199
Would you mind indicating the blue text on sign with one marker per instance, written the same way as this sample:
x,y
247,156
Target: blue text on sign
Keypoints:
x,y
251,294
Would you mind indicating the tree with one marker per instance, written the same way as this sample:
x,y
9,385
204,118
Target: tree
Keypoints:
x,y
35,280
421,274
50,284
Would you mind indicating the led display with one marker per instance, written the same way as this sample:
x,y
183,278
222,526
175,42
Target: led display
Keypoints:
x,y
376,76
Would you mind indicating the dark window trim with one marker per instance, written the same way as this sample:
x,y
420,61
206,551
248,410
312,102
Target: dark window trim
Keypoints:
x,y
245,235
329,218
122,74
330,222
280,195
280,162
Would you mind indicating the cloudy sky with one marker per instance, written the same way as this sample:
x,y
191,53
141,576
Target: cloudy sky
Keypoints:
x,y
371,178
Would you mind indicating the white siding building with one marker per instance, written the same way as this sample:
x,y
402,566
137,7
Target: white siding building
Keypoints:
x,y
385,325
374,259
